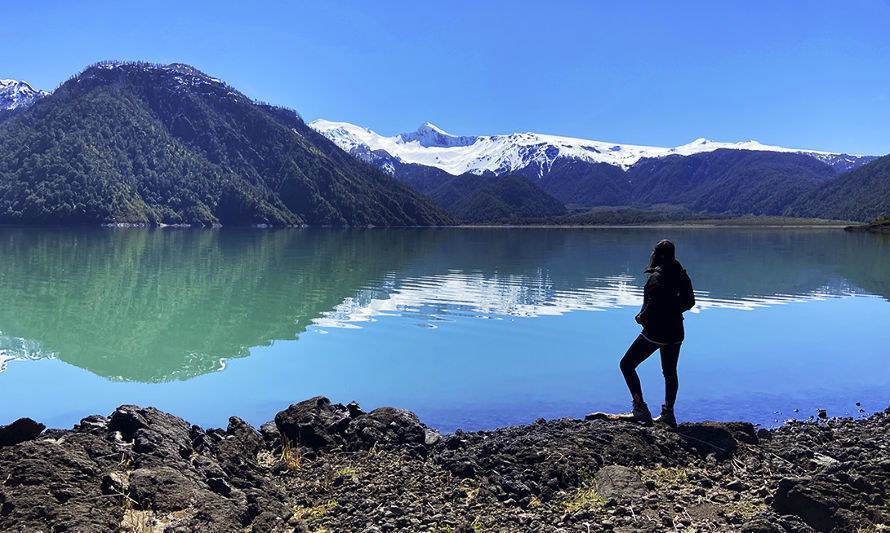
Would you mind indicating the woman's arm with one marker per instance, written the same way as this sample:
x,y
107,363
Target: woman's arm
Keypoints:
x,y
649,298
687,296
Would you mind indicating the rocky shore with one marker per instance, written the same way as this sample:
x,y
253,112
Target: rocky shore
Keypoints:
x,y
324,467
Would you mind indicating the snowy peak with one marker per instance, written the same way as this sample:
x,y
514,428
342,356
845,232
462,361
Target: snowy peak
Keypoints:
x,y
705,145
430,135
16,94
502,154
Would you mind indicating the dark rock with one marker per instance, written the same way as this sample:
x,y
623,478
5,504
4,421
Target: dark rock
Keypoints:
x,y
514,478
616,481
251,441
93,424
207,468
237,453
162,489
219,485
815,503
354,410
23,429
314,423
762,524
459,466
388,425
271,435
267,521
737,486
200,439
157,437
710,438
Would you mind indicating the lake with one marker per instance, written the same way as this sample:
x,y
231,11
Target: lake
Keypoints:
x,y
469,328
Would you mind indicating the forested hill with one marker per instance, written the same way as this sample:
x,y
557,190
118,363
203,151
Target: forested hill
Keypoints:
x,y
862,194
135,142
728,181
490,198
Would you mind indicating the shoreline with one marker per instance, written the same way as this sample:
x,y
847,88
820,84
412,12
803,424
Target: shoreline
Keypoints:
x,y
328,467
266,227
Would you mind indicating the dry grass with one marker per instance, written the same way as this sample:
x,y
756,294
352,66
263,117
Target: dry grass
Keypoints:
x,y
583,499
291,456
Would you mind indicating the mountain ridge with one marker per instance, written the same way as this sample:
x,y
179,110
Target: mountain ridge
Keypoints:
x,y
746,178
503,154
146,143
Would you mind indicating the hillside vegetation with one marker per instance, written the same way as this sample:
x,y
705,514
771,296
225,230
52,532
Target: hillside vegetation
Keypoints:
x,y
862,194
132,142
473,198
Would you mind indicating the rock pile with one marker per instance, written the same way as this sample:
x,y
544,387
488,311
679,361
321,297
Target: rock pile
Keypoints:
x,y
328,467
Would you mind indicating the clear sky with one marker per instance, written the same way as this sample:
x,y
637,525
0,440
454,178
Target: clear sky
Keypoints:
x,y
799,74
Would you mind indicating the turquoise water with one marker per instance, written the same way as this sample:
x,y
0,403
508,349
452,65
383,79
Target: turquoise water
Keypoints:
x,y
470,328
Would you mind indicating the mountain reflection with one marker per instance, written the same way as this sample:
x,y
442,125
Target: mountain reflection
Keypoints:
x,y
529,272
157,305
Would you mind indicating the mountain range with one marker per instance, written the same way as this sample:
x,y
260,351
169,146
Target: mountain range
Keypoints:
x,y
531,154
735,178
145,143
167,144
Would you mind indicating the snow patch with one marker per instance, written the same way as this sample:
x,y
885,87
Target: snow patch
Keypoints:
x,y
16,94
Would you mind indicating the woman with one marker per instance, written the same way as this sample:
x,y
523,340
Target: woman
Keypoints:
x,y
667,294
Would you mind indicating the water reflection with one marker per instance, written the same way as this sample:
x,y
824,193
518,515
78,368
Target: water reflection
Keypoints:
x,y
158,305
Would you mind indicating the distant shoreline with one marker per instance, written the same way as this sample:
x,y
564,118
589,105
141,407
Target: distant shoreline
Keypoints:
x,y
704,224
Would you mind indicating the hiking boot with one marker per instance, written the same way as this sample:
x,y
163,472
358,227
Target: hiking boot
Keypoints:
x,y
667,417
640,414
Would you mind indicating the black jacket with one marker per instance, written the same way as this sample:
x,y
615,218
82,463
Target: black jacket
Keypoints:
x,y
667,294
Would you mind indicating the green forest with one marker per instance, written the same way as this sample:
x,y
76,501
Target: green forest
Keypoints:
x,y
140,143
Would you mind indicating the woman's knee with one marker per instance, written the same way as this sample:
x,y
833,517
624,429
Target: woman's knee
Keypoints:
x,y
628,364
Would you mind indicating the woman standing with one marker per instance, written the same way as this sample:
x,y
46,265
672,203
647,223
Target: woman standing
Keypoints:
x,y
666,296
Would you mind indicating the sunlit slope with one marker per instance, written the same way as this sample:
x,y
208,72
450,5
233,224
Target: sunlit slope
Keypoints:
x,y
862,194
128,142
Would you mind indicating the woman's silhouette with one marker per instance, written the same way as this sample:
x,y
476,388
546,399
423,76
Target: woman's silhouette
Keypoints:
x,y
666,296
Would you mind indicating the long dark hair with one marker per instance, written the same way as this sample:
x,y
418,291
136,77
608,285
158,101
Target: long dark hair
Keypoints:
x,y
662,256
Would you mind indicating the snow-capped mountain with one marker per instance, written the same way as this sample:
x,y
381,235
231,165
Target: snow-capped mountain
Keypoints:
x,y
18,95
517,152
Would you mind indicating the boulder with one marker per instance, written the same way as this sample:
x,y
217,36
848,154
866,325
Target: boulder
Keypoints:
x,y
388,426
716,437
21,430
162,489
92,424
619,482
271,435
237,452
157,437
315,423
815,503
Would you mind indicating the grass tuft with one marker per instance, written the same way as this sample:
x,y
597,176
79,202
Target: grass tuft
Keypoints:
x,y
583,499
291,457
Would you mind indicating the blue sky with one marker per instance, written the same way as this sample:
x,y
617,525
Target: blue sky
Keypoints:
x,y
799,74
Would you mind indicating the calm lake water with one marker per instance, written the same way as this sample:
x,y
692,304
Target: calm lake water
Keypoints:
x,y
469,328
